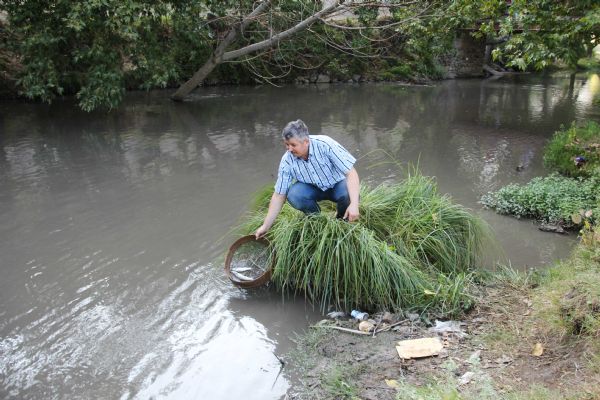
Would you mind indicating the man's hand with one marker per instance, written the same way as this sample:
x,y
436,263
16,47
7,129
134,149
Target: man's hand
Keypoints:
x,y
260,232
277,201
353,183
352,213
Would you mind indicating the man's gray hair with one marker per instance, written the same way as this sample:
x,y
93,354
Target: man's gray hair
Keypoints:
x,y
295,129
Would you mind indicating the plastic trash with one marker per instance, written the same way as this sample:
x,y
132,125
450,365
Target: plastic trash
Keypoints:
x,y
336,314
450,327
359,315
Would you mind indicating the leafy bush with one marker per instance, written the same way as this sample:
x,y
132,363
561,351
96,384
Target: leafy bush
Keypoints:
x,y
590,63
549,199
403,71
567,144
412,248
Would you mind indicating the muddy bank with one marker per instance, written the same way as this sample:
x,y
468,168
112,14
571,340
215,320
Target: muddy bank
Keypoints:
x,y
506,351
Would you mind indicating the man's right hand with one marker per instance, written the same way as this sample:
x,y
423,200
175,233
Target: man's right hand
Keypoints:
x,y
277,201
260,232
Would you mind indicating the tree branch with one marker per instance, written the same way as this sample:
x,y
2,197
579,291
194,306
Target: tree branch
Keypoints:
x,y
282,35
216,57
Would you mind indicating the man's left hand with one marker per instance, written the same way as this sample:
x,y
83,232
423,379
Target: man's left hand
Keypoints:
x,y
352,213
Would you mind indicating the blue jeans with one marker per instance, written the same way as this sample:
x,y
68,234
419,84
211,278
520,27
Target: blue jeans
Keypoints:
x,y
304,197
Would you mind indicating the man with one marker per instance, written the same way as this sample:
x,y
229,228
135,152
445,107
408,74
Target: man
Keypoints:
x,y
314,168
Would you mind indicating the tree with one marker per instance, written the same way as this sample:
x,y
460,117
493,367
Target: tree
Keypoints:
x,y
96,49
531,33
363,12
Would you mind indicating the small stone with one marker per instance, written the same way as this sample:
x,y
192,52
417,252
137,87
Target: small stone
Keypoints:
x,y
538,350
323,78
475,357
503,360
551,228
337,314
413,316
466,378
387,317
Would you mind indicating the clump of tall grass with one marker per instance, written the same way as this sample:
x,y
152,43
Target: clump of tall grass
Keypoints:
x,y
410,249
343,264
415,219
570,292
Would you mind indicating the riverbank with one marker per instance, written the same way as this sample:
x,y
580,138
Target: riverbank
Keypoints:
x,y
529,336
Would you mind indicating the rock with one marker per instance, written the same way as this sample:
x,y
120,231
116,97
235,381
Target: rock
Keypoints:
x,y
413,317
538,350
392,383
448,327
551,228
474,358
337,314
503,360
387,317
403,330
323,78
356,78
466,378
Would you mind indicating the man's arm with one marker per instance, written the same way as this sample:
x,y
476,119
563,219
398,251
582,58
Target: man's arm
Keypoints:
x,y
275,205
353,183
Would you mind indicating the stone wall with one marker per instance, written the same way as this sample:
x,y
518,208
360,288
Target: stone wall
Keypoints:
x,y
468,59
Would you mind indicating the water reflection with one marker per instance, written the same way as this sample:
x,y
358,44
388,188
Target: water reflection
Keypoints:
x,y
110,224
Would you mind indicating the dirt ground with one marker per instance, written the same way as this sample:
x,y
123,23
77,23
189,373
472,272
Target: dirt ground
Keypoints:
x,y
494,359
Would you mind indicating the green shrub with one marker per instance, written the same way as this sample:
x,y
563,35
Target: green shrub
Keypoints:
x,y
401,71
566,144
551,199
590,63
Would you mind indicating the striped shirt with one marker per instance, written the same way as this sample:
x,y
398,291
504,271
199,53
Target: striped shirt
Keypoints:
x,y
328,163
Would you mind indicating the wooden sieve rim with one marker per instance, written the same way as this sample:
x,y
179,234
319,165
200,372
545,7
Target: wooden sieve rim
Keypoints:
x,y
260,280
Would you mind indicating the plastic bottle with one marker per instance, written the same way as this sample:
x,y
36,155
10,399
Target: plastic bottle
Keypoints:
x,y
359,315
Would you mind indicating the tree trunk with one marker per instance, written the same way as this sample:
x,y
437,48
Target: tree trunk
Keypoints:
x,y
219,55
195,80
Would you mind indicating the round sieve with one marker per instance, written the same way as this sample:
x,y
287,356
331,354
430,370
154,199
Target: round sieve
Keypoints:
x,y
249,262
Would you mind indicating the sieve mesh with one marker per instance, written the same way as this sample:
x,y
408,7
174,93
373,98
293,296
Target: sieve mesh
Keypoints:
x,y
249,261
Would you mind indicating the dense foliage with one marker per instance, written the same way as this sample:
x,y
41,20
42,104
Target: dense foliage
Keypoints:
x,y
412,248
533,33
571,197
577,141
98,48
552,199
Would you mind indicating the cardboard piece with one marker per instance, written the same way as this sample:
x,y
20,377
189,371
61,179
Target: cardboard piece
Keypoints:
x,y
417,348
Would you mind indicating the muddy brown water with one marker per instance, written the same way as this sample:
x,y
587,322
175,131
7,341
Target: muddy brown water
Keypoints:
x,y
112,283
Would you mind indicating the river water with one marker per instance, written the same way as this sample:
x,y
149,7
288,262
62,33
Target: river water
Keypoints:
x,y
113,225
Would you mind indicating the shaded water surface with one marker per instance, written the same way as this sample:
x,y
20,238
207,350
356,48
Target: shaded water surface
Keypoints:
x,y
112,283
